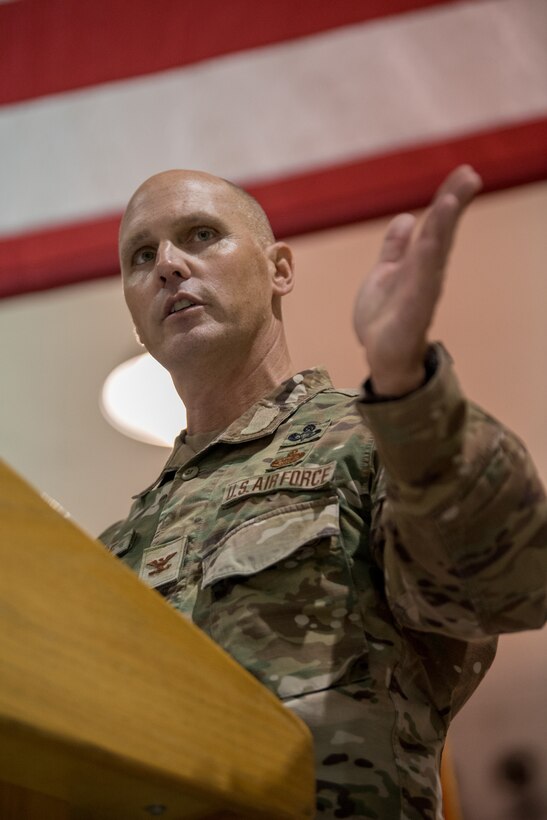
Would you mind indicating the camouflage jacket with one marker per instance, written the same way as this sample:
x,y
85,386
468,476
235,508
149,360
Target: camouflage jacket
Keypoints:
x,y
358,559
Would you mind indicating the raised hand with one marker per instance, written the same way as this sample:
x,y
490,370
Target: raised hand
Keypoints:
x,y
396,302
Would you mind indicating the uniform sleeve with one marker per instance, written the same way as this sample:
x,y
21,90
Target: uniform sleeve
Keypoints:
x,y
460,516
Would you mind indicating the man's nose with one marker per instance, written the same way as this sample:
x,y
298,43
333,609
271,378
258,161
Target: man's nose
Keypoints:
x,y
171,263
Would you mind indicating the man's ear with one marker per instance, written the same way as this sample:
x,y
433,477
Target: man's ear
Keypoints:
x,y
281,267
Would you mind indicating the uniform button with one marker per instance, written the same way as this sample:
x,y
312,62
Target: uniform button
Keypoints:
x,y
190,472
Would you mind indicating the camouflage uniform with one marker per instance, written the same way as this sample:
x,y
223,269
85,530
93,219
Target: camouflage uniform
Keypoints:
x,y
357,558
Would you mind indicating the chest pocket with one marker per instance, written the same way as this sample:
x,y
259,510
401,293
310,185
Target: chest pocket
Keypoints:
x,y
277,594
271,538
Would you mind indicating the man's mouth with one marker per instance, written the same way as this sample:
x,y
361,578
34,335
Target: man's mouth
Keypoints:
x,y
182,304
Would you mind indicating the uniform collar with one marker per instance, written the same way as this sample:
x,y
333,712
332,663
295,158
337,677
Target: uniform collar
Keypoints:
x,y
264,417
261,419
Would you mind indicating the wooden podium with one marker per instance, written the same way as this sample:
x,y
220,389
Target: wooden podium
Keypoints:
x,y
112,705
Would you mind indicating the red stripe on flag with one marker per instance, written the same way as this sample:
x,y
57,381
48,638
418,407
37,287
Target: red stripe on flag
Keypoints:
x,y
55,257
390,183
50,46
364,189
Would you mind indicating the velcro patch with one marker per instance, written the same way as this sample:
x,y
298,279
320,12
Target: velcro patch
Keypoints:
x,y
304,433
288,458
309,478
161,565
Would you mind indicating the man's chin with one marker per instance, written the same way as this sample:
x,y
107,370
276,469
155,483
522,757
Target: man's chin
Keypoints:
x,y
199,344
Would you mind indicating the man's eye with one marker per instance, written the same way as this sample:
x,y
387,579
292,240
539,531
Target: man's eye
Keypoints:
x,y
143,256
204,234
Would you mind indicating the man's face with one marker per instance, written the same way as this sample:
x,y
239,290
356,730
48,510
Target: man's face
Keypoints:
x,y
196,278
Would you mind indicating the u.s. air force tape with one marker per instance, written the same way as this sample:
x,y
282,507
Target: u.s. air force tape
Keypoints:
x,y
311,478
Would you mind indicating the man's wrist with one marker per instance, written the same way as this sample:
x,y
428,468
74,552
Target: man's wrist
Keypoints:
x,y
378,390
397,386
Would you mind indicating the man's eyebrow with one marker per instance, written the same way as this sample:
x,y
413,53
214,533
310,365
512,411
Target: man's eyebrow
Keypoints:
x,y
202,218
133,240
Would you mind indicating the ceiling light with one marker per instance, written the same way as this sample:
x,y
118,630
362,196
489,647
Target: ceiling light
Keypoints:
x,y
139,400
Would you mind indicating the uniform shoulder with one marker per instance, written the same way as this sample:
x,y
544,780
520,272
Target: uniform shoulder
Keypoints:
x,y
335,404
347,392
338,398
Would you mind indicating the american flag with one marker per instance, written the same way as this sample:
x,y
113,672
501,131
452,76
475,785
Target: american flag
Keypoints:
x,y
329,112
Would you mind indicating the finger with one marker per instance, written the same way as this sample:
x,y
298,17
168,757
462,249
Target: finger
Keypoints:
x,y
429,254
464,183
452,198
397,238
440,221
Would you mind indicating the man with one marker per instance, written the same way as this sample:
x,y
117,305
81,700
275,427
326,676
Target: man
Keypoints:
x,y
357,555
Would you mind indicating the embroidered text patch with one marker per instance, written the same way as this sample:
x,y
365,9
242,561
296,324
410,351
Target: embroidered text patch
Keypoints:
x,y
311,478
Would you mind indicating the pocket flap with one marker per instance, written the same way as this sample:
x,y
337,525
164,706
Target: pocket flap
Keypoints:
x,y
123,543
270,538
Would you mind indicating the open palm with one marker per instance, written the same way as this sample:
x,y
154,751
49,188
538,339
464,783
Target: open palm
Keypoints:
x,y
395,304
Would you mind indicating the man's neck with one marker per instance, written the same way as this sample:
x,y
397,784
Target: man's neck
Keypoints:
x,y
223,390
